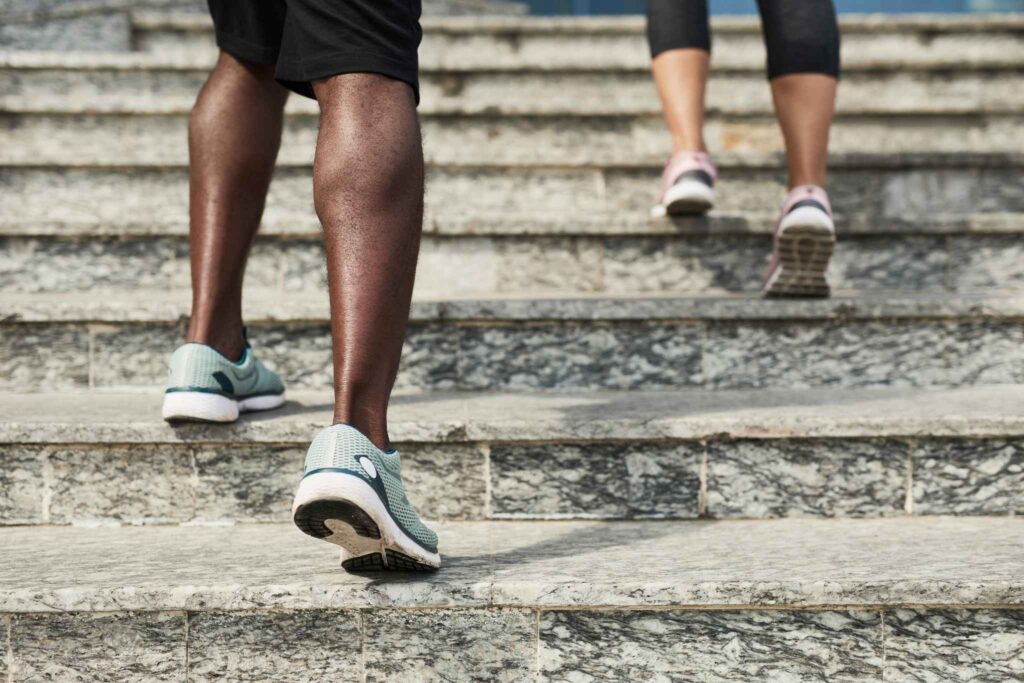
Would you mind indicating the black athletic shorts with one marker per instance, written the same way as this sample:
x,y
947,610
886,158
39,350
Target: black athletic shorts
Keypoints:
x,y
311,39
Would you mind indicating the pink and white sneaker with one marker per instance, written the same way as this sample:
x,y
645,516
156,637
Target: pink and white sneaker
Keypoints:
x,y
804,238
687,185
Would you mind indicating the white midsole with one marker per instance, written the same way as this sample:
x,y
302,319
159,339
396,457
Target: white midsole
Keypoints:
x,y
807,217
351,489
198,405
689,191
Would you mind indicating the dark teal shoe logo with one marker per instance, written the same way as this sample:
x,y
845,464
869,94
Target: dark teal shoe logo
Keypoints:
x,y
224,382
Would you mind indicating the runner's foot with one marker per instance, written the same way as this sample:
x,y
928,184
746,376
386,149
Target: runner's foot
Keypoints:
x,y
804,238
687,185
352,495
205,386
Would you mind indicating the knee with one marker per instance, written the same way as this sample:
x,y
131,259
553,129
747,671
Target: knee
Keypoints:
x,y
235,67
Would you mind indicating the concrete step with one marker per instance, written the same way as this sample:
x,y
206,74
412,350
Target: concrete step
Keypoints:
x,y
106,24
721,253
871,194
108,339
601,43
905,222
865,600
127,137
107,458
142,82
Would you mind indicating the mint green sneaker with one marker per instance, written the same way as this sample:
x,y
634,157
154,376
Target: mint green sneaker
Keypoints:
x,y
203,385
352,495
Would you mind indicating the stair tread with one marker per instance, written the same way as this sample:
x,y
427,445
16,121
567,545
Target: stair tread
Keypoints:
x,y
304,306
629,25
134,417
203,60
795,562
598,223
732,159
455,113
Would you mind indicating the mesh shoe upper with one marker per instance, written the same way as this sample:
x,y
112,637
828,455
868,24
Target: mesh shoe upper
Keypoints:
x,y
694,164
340,447
198,367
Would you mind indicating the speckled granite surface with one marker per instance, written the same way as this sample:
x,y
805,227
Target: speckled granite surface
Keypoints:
x,y
99,647
450,645
635,455
679,263
275,646
133,417
956,561
969,198
925,646
522,342
516,600
835,645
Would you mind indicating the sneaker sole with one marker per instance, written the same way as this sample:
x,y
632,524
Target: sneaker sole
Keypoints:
x,y
344,510
686,198
806,240
197,406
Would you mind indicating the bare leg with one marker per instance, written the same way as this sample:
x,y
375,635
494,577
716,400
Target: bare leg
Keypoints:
x,y
681,76
805,104
368,191
233,137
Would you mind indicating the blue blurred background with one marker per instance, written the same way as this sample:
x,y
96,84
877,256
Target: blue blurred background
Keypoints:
x,y
584,7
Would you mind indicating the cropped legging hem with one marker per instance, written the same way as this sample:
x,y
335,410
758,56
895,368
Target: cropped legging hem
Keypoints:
x,y
801,36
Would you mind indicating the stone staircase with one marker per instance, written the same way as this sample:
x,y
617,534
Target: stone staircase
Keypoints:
x,y
640,471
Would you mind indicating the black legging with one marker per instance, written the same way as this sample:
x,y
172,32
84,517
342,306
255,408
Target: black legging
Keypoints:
x,y
802,36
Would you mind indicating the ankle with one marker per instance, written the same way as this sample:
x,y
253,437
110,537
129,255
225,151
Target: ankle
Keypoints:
x,y
800,179
372,425
231,344
688,145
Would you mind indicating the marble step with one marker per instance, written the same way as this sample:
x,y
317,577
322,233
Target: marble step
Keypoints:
x,y
884,43
865,600
72,25
142,82
135,137
725,252
872,194
100,339
107,458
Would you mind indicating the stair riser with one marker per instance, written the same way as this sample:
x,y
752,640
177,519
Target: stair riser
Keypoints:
x,y
565,354
515,201
96,32
160,139
584,92
716,479
519,48
863,644
487,265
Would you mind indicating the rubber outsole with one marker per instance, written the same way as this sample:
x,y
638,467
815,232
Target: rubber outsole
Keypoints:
x,y
804,255
343,509
688,207
686,198
396,562
313,519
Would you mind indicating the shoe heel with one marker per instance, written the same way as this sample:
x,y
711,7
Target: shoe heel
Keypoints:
x,y
343,509
199,407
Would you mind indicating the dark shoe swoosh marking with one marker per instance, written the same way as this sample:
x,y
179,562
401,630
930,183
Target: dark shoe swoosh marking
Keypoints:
x,y
695,174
